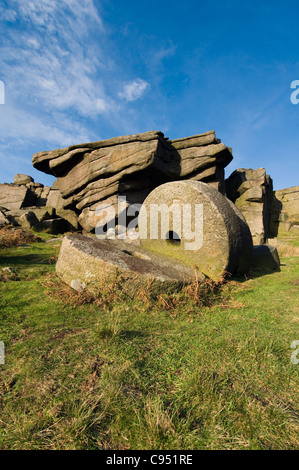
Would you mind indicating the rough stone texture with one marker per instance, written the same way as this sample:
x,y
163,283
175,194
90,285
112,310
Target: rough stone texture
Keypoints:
x,y
226,243
284,218
13,197
43,213
3,218
97,172
265,258
252,192
42,196
30,204
86,261
54,199
28,220
20,179
69,216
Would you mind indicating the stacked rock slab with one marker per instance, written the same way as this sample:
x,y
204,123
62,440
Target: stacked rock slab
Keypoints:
x,y
252,192
98,172
195,224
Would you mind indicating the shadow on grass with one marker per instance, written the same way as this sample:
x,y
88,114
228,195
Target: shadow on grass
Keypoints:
x,y
22,259
255,273
131,334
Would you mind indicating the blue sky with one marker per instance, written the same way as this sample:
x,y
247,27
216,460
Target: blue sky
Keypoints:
x,y
83,70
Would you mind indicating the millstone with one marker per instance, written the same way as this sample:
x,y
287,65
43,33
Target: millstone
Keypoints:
x,y
86,262
215,240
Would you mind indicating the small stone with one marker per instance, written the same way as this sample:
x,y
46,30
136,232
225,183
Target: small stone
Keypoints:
x,y
78,285
7,274
265,258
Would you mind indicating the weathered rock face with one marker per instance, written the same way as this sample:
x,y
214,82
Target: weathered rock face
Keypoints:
x,y
252,192
284,217
194,223
85,262
13,197
3,219
20,179
33,206
97,172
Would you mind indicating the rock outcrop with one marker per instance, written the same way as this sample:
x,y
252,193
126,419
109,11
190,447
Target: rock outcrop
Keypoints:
x,y
98,172
284,216
252,192
34,206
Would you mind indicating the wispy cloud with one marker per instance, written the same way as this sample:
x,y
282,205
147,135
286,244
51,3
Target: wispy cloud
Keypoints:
x,y
64,80
50,63
134,90
53,82
7,14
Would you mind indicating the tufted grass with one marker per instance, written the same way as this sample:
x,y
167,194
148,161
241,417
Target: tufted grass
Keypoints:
x,y
175,373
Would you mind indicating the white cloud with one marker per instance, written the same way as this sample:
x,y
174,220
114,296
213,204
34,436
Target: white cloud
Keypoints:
x,y
52,63
134,90
8,15
47,12
21,126
52,72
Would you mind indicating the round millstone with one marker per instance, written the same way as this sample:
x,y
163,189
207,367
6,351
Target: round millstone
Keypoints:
x,y
205,230
86,262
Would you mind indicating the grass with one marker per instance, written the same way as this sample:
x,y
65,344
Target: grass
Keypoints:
x,y
205,371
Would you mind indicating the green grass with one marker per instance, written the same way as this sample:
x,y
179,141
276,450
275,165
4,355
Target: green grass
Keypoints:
x,y
132,375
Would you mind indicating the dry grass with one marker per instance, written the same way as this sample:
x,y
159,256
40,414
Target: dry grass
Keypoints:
x,y
107,294
198,293
288,250
194,296
10,236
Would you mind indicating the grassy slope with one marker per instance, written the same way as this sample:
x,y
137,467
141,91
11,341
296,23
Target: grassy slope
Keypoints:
x,y
134,376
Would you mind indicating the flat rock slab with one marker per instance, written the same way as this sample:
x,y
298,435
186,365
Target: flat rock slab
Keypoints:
x,y
215,240
86,262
